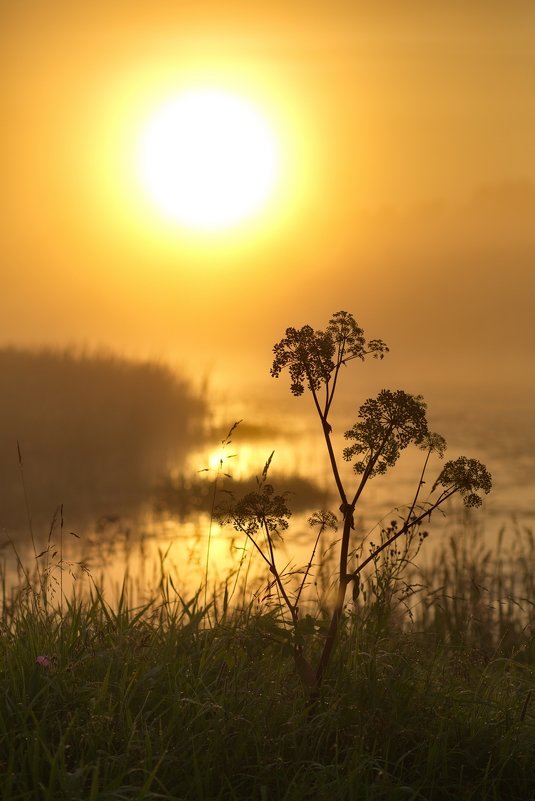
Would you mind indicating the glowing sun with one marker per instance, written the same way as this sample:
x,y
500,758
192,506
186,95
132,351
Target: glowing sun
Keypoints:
x,y
209,159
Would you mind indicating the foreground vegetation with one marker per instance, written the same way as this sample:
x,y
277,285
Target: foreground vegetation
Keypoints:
x,y
174,700
354,676
386,426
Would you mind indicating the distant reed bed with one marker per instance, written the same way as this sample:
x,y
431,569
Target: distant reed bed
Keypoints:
x,y
95,431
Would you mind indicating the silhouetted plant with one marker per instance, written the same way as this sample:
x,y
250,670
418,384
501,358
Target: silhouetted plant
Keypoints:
x,y
386,426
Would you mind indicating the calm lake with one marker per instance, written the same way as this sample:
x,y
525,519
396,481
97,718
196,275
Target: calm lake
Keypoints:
x,y
171,530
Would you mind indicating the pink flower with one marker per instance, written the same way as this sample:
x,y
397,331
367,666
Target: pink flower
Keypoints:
x,y
43,661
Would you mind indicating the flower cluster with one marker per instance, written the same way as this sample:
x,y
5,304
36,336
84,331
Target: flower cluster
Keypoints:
x,y
387,425
468,477
312,356
324,519
349,338
259,509
308,354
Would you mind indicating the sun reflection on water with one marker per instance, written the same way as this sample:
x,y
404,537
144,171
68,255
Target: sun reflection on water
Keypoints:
x,y
141,548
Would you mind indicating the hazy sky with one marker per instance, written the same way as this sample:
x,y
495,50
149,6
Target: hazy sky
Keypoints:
x,y
408,197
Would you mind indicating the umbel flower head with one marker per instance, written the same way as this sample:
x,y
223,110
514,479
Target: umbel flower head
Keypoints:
x,y
311,356
387,424
258,509
466,476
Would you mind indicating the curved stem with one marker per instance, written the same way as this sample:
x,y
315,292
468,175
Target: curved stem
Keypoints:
x,y
419,487
327,435
403,530
275,572
339,362
371,464
309,566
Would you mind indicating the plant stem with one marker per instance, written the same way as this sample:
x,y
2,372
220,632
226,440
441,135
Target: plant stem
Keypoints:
x,y
403,530
330,637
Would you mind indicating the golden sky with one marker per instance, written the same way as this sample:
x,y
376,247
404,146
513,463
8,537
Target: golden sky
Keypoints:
x,y
408,193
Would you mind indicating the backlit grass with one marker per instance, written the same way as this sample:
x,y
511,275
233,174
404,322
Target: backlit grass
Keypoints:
x,y
178,700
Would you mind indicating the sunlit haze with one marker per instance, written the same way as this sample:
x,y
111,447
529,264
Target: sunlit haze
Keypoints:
x,y
386,166
267,418
208,159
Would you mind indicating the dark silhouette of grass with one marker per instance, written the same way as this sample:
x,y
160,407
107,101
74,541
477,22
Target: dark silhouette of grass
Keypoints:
x,y
95,431
175,699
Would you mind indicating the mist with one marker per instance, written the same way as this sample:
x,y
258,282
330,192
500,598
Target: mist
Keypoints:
x,y
91,432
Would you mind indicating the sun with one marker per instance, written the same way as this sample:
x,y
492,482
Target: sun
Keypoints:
x,y
209,159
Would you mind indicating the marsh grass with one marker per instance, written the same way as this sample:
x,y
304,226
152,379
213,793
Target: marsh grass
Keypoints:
x,y
176,698
95,431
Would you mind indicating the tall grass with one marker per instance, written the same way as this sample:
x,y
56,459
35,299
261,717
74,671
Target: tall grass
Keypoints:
x,y
483,594
176,698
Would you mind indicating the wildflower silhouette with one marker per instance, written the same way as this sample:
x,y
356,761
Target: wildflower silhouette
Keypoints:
x,y
386,426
